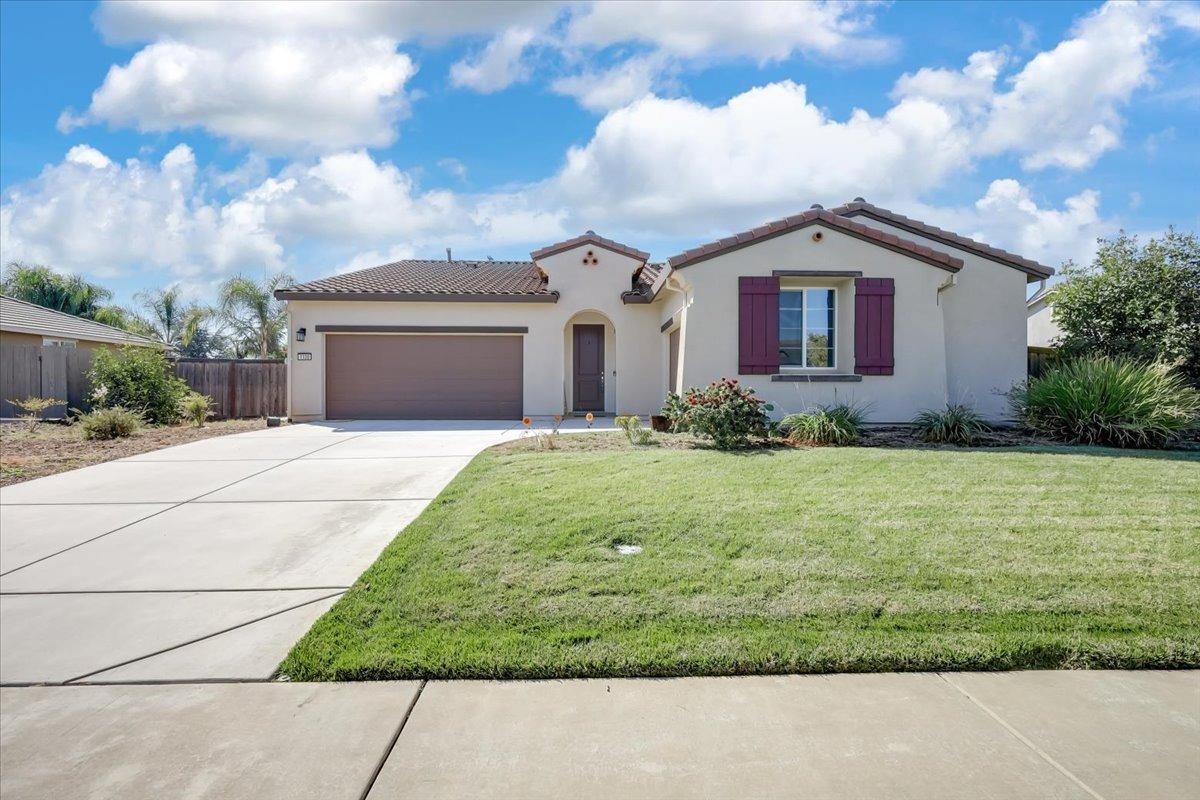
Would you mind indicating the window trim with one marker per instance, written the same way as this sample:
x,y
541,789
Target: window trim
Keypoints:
x,y
794,368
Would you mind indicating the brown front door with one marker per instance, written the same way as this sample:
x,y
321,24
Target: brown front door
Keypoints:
x,y
589,367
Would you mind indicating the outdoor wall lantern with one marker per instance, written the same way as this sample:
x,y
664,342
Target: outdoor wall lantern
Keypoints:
x,y
301,333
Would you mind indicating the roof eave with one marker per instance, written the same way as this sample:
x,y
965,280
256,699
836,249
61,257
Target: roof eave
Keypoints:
x,y
1032,268
950,263
419,297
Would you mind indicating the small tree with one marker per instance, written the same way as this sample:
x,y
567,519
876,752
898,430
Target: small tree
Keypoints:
x,y
33,408
1137,301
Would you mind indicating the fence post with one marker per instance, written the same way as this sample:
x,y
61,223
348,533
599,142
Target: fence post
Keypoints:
x,y
232,390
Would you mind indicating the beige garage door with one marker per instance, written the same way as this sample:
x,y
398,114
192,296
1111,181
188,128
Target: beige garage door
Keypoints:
x,y
422,377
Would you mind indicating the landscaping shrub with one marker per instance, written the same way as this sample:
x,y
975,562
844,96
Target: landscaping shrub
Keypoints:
x,y
954,424
196,407
838,424
676,412
110,423
725,412
1112,401
137,378
635,432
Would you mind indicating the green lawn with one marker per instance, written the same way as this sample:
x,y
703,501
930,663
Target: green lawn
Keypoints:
x,y
821,560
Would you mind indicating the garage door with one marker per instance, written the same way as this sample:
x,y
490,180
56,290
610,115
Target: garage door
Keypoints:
x,y
422,377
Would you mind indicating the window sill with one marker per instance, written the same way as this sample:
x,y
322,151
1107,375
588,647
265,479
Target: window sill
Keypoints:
x,y
793,377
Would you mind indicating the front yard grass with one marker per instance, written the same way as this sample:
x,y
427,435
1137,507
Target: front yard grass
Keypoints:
x,y
817,560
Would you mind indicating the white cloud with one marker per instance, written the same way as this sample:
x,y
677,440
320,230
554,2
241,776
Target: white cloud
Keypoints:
x,y
763,30
455,167
973,87
499,65
1063,107
617,86
281,94
91,215
680,165
217,20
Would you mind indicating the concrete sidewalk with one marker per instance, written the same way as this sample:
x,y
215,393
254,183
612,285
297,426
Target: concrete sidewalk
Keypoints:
x,y
920,735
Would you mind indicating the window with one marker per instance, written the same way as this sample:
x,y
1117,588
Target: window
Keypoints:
x,y
48,342
806,327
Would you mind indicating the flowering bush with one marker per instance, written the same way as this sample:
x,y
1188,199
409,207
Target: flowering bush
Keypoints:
x,y
723,411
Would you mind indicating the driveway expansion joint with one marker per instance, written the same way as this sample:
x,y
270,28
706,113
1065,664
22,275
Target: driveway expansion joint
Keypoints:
x,y
1042,754
387,753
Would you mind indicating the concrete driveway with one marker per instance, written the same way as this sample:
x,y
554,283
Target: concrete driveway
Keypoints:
x,y
208,560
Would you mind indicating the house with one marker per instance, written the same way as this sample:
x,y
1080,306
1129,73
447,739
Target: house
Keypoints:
x,y
853,303
24,323
1042,332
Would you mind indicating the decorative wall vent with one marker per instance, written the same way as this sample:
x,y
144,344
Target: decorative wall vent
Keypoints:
x,y
590,258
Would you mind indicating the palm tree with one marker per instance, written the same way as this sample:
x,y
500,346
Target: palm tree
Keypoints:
x,y
256,320
169,319
40,285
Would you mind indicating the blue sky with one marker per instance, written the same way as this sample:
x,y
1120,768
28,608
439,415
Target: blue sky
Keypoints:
x,y
150,144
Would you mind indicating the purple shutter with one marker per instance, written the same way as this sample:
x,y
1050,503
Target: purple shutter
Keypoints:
x,y
758,326
874,324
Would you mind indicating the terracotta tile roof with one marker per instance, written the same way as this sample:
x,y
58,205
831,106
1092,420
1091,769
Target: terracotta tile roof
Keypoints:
x,y
431,280
645,278
590,238
811,217
860,207
19,316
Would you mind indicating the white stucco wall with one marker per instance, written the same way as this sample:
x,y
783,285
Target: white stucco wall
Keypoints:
x,y
711,348
1041,330
635,352
985,327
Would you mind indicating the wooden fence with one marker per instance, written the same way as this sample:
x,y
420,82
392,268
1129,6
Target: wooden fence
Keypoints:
x,y
245,388
239,388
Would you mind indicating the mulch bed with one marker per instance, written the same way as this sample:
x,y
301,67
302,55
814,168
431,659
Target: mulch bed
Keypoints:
x,y
52,448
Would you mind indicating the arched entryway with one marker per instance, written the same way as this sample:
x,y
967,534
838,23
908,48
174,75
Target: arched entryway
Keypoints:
x,y
589,361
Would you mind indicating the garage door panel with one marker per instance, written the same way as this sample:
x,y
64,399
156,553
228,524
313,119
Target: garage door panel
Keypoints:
x,y
423,377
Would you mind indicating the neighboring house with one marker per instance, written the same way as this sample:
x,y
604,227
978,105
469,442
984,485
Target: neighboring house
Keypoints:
x,y
1042,332
854,303
30,324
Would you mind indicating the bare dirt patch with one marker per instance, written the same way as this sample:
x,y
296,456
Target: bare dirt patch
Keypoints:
x,y
52,448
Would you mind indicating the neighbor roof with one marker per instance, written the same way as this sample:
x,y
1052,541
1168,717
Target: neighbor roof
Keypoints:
x,y
431,280
17,316
814,216
590,238
860,207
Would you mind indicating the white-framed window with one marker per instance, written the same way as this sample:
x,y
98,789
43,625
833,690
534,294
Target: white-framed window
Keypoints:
x,y
807,327
49,342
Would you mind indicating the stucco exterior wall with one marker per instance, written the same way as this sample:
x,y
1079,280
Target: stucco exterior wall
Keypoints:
x,y
1041,330
985,327
711,348
635,366
35,340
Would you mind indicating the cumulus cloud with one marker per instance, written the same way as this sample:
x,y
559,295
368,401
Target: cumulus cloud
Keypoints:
x,y
619,85
280,94
90,214
763,30
499,65
675,164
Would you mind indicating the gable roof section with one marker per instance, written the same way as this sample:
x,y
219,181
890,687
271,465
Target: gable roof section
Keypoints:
x,y
432,281
593,239
861,207
647,282
812,217
19,316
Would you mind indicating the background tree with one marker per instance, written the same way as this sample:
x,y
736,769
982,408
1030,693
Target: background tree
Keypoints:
x,y
170,319
40,285
255,322
1135,300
